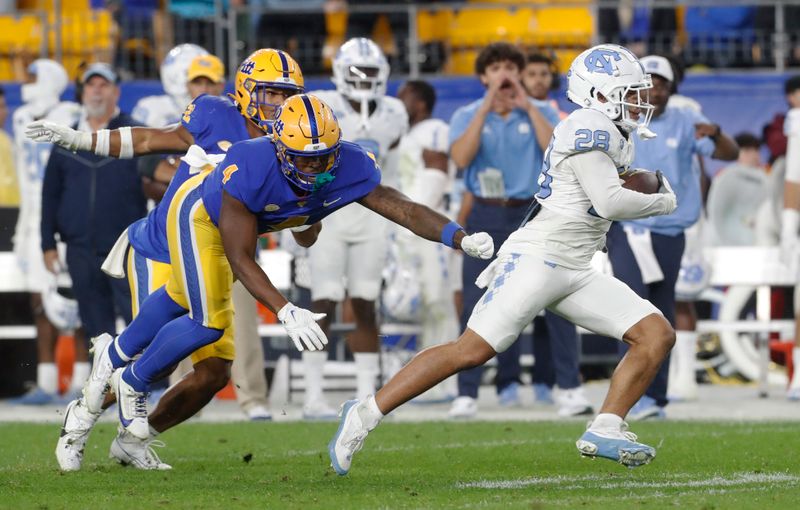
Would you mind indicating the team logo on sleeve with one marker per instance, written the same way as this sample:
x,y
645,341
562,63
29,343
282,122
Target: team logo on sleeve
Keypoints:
x,y
602,61
228,172
187,114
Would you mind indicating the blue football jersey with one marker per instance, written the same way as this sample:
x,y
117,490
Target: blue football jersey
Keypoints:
x,y
251,173
216,124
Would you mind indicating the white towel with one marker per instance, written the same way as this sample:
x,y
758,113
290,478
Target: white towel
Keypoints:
x,y
114,265
487,275
642,247
199,161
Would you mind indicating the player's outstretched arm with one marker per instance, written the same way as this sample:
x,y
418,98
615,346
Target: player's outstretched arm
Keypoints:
x,y
125,142
238,228
426,223
598,177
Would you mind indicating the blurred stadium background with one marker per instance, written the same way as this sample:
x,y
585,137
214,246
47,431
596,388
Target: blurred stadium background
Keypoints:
x,y
737,55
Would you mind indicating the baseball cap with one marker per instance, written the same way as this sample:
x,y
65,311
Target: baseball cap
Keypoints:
x,y
653,64
100,69
206,65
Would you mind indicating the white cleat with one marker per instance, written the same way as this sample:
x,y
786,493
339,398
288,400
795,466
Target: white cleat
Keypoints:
x,y
78,423
132,406
349,438
129,450
463,408
96,387
572,402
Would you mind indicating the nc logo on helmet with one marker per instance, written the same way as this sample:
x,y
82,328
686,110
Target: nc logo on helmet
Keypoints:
x,y
601,61
247,67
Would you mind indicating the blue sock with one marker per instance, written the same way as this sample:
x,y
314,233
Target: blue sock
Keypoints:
x,y
175,341
156,311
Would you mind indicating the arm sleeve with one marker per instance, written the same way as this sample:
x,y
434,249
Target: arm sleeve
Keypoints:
x,y
599,179
196,116
51,198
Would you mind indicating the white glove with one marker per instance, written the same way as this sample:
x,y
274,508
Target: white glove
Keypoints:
x,y
665,189
790,222
302,327
50,132
479,245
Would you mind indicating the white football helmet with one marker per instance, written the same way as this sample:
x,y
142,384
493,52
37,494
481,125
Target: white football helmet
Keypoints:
x,y
613,72
45,92
174,70
59,307
360,70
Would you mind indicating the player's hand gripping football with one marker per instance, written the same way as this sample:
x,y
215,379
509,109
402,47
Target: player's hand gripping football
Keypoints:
x,y
302,327
50,132
479,245
665,188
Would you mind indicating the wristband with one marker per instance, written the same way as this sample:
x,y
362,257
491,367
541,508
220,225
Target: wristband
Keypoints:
x,y
449,232
102,142
125,143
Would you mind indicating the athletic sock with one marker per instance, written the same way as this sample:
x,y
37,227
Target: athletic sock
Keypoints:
x,y
370,415
606,422
47,377
367,371
314,365
156,311
80,373
176,340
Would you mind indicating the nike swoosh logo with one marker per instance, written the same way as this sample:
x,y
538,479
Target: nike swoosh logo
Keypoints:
x,y
325,203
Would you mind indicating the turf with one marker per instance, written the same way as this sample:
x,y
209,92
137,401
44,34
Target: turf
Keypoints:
x,y
427,465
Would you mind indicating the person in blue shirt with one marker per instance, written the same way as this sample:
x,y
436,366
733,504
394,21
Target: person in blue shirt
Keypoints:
x,y
208,126
646,254
498,141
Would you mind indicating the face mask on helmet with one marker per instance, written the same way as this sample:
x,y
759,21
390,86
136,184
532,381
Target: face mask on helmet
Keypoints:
x,y
263,81
610,79
360,70
307,138
265,99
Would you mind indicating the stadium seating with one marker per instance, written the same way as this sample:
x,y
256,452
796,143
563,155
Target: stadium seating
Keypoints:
x,y
20,37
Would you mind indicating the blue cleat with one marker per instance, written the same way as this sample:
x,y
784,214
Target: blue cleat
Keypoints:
x,y
647,409
349,438
543,394
620,446
35,397
509,396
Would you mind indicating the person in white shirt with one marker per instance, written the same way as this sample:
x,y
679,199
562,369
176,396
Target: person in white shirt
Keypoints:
x,y
545,264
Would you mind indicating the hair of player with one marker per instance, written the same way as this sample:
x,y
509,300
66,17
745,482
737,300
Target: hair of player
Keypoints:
x,y
424,91
747,141
792,84
541,58
498,52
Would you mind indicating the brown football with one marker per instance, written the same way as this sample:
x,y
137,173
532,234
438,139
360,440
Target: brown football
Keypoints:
x,y
643,181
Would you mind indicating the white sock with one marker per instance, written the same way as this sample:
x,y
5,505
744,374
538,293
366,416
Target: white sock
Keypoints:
x,y
370,415
606,421
367,371
681,381
153,432
314,364
80,373
795,383
47,377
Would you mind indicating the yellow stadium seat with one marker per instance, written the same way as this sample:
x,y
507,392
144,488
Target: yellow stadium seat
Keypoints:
x,y
434,26
86,36
562,26
20,38
478,27
462,61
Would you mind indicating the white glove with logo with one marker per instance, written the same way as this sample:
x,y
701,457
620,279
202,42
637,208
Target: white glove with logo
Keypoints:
x,y
479,245
302,327
50,132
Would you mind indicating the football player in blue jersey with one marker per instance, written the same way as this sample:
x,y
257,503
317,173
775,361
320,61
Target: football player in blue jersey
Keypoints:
x,y
211,123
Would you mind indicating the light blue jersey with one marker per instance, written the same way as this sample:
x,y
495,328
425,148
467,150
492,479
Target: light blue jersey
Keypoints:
x,y
672,152
508,146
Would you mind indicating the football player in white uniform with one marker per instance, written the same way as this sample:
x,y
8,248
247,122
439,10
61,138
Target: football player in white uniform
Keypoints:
x,y
352,245
546,264
424,174
42,100
790,218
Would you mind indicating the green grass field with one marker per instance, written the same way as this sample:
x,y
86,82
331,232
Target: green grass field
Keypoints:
x,y
426,465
